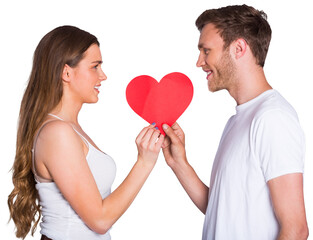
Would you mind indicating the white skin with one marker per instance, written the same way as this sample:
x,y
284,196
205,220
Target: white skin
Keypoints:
x,y
235,70
59,148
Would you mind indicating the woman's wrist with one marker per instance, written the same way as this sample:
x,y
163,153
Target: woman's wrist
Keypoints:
x,y
145,163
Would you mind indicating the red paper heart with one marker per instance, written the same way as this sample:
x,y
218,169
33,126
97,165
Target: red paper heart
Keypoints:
x,y
162,102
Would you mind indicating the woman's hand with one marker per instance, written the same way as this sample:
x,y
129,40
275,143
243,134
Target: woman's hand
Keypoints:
x,y
149,142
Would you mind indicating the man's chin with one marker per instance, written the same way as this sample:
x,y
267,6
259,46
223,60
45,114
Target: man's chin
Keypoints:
x,y
212,88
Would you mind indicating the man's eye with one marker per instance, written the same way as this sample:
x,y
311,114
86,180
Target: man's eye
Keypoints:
x,y
95,67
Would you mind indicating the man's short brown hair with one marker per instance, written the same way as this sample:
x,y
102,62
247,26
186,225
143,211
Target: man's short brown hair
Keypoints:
x,y
234,22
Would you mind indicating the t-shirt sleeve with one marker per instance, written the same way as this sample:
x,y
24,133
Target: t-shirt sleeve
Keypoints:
x,y
279,144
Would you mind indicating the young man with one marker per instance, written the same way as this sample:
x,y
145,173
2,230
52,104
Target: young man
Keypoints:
x,y
256,187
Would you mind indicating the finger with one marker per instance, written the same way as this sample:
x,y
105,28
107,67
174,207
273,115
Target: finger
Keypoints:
x,y
170,133
177,129
148,135
176,126
166,142
179,132
150,131
160,141
152,125
143,132
154,137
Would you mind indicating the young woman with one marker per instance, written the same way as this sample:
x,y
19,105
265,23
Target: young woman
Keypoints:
x,y
59,172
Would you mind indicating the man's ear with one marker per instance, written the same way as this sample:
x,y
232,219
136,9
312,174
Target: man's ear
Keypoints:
x,y
66,75
239,48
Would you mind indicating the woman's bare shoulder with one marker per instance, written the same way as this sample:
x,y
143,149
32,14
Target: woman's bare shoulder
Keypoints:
x,y
58,134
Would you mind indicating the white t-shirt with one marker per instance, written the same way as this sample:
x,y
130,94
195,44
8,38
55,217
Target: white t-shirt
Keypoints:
x,y
262,141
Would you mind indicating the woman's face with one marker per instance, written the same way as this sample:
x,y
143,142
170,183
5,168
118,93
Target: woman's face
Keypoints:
x,y
87,76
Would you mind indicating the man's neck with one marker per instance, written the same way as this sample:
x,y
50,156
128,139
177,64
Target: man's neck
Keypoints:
x,y
250,84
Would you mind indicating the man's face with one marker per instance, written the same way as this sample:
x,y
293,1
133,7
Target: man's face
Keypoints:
x,y
214,60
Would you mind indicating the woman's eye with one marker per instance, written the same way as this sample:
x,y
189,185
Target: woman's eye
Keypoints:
x,y
95,67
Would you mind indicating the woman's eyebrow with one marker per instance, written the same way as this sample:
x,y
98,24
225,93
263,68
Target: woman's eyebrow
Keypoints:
x,y
99,62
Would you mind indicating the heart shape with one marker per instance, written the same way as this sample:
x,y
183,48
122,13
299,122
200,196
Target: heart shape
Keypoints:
x,y
160,102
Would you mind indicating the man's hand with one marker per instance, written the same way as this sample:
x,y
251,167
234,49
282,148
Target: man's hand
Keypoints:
x,y
175,156
174,145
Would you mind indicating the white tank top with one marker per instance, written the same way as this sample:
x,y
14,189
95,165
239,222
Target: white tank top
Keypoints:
x,y
59,220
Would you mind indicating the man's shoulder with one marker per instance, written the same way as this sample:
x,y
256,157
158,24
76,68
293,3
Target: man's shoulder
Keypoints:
x,y
274,104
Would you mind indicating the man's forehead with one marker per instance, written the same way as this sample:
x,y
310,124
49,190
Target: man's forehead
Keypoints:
x,y
209,29
209,34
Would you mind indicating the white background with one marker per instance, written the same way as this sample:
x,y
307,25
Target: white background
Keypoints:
x,y
153,38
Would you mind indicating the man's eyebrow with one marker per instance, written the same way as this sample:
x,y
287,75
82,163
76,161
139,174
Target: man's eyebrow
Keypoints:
x,y
201,46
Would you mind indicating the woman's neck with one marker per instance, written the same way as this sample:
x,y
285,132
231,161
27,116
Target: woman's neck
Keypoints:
x,y
67,110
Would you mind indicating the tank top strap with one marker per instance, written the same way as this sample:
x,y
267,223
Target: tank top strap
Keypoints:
x,y
79,134
38,178
55,116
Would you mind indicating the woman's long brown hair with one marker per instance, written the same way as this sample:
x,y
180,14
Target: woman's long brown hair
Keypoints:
x,y
63,45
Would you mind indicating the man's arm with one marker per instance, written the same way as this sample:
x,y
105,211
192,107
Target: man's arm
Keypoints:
x,y
175,156
288,202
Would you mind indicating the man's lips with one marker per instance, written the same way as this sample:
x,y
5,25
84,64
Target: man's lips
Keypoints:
x,y
209,73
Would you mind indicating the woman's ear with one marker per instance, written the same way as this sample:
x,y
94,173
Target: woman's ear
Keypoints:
x,y
239,48
66,73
